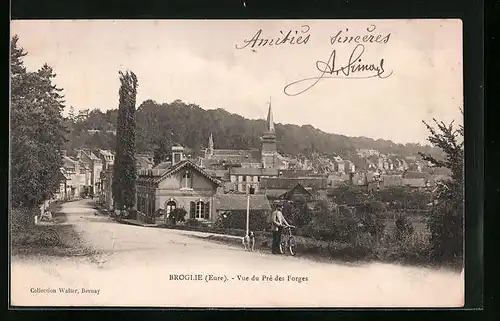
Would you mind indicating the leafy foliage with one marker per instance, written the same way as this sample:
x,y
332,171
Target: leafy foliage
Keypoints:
x,y
403,228
259,220
177,215
192,222
297,213
446,219
37,132
124,176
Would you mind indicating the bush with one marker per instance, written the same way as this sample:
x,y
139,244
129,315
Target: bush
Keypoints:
x,y
445,224
363,245
177,215
192,222
403,228
335,224
259,220
372,224
414,248
297,213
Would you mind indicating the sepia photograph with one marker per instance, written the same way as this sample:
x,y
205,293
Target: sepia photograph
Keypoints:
x,y
236,163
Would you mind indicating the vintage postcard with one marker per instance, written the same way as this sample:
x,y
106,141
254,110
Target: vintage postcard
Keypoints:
x,y
236,163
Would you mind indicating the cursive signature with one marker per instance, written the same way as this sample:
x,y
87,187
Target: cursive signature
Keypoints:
x,y
354,69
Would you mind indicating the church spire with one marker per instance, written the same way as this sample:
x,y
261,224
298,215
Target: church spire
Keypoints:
x,y
270,120
211,142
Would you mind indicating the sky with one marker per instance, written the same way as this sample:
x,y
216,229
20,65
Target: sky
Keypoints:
x,y
198,61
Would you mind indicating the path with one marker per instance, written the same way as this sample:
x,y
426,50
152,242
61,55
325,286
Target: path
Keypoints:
x,y
137,262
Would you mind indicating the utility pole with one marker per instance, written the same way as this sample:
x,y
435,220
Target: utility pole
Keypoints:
x,y
248,214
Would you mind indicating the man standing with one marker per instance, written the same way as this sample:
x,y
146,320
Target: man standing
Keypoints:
x,y
277,223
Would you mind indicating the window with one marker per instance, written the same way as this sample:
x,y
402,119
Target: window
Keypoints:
x,y
186,182
169,207
200,206
240,178
202,210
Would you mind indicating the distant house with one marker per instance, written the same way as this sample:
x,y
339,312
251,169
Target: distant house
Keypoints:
x,y
415,182
297,173
335,180
62,192
416,175
238,202
95,166
220,174
358,179
78,176
247,180
144,161
349,166
391,180
106,196
275,187
297,192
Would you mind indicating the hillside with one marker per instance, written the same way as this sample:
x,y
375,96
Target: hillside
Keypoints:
x,y
161,125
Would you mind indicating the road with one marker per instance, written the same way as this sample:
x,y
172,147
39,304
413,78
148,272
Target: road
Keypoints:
x,y
136,263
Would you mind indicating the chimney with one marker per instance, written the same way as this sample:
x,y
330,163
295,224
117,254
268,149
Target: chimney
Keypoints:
x,y
177,154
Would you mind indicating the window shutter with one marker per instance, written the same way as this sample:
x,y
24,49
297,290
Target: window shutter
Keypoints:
x,y
192,210
207,211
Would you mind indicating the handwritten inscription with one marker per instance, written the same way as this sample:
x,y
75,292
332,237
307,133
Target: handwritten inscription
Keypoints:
x,y
342,36
292,37
354,68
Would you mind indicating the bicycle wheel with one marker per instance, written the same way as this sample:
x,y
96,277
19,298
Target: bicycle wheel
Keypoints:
x,y
292,245
282,246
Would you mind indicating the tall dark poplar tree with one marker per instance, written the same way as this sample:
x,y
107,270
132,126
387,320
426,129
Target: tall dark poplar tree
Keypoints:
x,y
124,175
37,132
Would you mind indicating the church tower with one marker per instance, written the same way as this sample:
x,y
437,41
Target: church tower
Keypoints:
x,y
269,151
210,150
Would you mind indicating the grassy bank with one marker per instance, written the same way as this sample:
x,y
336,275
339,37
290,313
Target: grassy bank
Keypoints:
x,y
52,239
363,248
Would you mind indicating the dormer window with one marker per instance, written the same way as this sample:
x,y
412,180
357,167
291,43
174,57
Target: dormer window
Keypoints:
x,y
186,182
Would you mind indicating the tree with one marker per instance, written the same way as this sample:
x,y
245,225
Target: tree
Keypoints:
x,y
177,215
124,175
446,220
37,132
71,114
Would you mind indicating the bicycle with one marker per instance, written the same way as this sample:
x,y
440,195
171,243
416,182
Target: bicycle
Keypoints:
x,y
288,241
